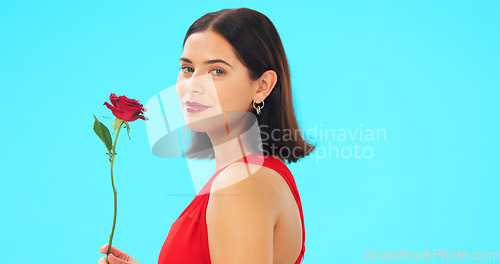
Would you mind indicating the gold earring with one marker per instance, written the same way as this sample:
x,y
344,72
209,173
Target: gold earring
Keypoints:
x,y
258,108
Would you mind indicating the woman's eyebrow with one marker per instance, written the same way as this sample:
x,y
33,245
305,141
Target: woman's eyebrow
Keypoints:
x,y
208,61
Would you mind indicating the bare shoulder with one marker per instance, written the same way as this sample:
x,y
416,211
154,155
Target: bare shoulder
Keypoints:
x,y
250,181
247,185
242,212
245,175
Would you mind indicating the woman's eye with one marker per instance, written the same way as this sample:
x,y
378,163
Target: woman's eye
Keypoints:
x,y
185,67
219,73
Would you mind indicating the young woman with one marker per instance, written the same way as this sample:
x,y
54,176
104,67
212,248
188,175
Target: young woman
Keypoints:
x,y
235,74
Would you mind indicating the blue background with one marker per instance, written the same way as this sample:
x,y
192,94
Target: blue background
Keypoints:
x,y
426,72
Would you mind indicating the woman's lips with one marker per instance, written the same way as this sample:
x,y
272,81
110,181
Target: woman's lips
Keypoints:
x,y
194,107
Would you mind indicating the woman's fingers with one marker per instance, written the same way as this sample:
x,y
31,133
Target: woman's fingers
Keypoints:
x,y
116,256
114,260
115,251
102,260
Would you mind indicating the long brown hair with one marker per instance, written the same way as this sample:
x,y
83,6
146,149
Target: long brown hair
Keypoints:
x,y
258,46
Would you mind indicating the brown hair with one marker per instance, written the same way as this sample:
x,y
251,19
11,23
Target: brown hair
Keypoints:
x,y
258,46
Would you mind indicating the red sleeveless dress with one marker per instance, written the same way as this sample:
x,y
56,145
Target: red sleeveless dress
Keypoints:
x,y
187,240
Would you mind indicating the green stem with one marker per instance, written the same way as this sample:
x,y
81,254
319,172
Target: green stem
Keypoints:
x,y
111,160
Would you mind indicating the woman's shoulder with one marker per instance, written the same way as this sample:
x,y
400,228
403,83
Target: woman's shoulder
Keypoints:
x,y
257,184
249,178
241,214
242,177
237,191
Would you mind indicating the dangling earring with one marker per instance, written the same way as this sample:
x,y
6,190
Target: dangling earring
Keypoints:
x,y
259,107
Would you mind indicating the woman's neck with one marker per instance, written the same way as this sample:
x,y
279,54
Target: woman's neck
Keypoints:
x,y
232,142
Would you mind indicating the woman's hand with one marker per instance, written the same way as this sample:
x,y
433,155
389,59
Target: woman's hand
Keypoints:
x,y
116,256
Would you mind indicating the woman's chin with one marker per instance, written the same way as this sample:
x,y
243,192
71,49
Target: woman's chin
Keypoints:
x,y
205,124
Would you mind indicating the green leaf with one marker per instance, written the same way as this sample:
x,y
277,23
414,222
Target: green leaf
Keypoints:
x,y
128,129
103,133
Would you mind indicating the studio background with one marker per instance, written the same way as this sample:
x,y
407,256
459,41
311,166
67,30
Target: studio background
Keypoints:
x,y
425,72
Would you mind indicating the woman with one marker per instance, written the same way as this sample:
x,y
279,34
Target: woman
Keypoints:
x,y
249,211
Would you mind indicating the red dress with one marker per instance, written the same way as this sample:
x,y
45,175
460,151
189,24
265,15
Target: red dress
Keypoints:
x,y
187,240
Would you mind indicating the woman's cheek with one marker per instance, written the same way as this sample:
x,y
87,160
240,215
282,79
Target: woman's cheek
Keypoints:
x,y
219,98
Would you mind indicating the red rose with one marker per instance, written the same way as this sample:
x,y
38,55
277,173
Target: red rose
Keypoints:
x,y
125,109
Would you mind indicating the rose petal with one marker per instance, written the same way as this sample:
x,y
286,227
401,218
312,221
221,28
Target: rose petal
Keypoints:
x,y
130,115
116,112
133,104
126,107
128,100
113,98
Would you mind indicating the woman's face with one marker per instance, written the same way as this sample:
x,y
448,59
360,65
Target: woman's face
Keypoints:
x,y
212,75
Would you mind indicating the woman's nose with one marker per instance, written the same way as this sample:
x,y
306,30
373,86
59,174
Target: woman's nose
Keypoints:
x,y
199,83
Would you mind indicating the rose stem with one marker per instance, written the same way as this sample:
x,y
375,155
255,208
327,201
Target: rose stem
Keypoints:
x,y
112,159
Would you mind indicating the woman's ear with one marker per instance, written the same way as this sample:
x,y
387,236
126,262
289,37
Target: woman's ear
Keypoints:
x,y
266,84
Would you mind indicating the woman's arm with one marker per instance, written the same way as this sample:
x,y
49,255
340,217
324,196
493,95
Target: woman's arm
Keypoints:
x,y
241,215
